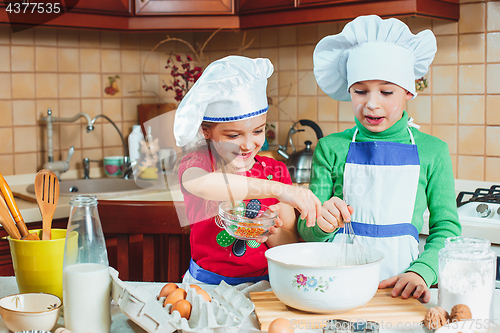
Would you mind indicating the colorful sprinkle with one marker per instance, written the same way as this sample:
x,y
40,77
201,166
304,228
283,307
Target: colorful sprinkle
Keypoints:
x,y
245,230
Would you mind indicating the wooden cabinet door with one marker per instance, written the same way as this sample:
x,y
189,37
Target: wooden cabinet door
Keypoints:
x,y
113,7
248,6
178,7
324,2
6,268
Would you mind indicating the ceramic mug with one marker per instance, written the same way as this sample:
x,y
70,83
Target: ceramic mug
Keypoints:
x,y
113,166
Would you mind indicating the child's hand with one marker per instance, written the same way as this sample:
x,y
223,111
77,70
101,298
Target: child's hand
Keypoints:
x,y
333,214
278,223
304,200
407,284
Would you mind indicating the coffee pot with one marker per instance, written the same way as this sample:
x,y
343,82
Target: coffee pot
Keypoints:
x,y
299,162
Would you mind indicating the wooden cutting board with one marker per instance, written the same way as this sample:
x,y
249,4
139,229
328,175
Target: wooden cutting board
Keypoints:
x,y
382,307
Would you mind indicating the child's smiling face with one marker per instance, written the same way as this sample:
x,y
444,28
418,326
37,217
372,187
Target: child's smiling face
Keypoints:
x,y
378,104
238,142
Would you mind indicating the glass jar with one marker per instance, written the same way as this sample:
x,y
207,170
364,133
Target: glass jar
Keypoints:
x,y
86,280
467,273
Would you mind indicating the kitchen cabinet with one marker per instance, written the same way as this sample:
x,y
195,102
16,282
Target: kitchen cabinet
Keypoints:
x,y
316,11
176,7
248,6
155,15
145,239
113,7
161,255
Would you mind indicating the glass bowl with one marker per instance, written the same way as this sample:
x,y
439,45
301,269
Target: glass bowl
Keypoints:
x,y
245,221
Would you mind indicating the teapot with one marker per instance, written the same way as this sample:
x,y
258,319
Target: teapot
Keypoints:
x,y
299,162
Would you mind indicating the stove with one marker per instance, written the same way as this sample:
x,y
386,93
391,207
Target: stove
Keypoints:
x,y
485,200
479,213
478,206
482,207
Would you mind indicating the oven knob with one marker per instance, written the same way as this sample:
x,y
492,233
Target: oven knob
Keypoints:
x,y
483,210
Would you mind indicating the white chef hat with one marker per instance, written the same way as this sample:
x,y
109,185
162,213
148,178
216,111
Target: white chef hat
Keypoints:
x,y
230,89
370,48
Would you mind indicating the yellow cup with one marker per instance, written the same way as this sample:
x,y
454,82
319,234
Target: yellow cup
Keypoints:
x,y
38,264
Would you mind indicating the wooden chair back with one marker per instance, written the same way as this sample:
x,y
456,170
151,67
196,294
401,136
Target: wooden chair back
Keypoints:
x,y
145,239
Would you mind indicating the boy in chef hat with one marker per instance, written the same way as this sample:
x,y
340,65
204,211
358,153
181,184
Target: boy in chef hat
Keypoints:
x,y
228,107
385,170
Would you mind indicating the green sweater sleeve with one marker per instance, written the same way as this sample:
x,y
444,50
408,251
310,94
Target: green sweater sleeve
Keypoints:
x,y
438,187
326,178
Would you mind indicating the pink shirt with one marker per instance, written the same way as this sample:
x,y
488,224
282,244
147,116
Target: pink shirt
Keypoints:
x,y
211,247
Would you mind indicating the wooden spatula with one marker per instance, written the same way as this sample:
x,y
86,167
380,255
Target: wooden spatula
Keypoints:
x,y
47,194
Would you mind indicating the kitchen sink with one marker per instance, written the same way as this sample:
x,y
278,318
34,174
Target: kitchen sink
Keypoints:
x,y
99,186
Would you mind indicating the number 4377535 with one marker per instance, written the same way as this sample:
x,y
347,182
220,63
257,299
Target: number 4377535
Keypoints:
x,y
33,7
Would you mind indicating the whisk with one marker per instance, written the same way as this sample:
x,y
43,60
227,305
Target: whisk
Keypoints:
x,y
351,250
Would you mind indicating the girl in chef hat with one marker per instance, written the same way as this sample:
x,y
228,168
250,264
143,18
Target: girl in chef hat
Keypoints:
x,y
386,171
225,113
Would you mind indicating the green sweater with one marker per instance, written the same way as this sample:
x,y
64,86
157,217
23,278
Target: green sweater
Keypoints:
x,y
436,187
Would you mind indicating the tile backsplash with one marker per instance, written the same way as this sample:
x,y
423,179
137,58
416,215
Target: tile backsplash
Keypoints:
x,y
69,70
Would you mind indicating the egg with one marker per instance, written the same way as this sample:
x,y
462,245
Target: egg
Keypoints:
x,y
175,296
280,325
184,308
167,289
205,295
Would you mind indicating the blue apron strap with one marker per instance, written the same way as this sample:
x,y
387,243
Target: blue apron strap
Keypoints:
x,y
381,231
205,276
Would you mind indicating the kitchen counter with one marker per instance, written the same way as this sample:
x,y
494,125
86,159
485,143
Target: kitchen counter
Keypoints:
x,y
121,323
31,213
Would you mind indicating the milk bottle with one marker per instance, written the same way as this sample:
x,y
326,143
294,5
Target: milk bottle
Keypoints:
x,y
86,281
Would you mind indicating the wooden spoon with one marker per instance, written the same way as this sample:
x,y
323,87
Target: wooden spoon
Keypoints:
x,y
47,194
11,203
7,221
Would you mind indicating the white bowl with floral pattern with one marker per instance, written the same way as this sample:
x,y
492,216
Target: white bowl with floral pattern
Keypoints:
x,y
308,276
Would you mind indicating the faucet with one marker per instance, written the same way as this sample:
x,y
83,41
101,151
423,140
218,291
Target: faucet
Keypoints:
x,y
86,167
59,167
127,167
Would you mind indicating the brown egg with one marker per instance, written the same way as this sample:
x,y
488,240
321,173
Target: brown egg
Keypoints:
x,y
184,308
195,286
280,325
175,296
167,289
205,295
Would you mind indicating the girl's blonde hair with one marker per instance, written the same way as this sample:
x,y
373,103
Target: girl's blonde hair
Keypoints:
x,y
220,164
211,208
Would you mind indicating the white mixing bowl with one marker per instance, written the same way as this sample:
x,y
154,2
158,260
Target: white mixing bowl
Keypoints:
x,y
306,276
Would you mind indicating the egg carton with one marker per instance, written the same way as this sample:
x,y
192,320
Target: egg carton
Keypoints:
x,y
227,310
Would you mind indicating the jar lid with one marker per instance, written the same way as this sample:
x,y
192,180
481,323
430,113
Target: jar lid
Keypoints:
x,y
467,241
467,248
